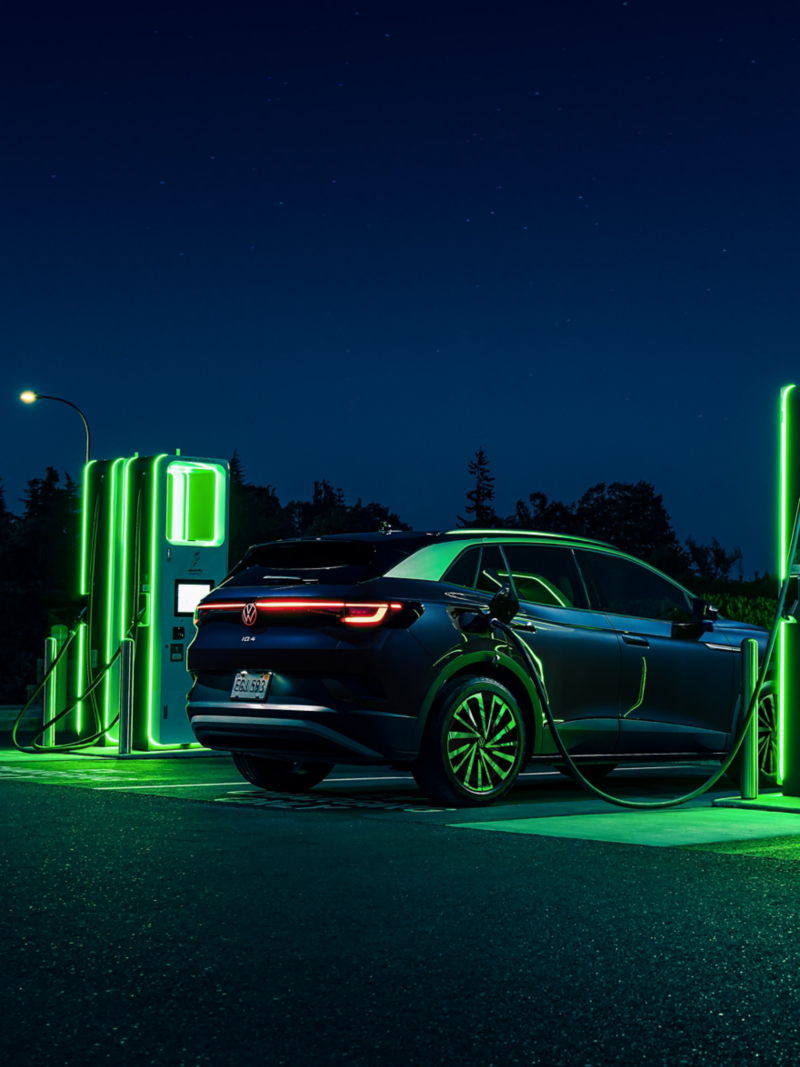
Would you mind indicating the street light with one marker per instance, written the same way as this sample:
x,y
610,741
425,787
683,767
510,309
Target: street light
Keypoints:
x,y
28,397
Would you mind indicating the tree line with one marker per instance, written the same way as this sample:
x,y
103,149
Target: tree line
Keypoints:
x,y
39,547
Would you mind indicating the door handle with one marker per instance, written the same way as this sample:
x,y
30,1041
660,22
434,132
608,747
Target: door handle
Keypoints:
x,y
524,624
633,639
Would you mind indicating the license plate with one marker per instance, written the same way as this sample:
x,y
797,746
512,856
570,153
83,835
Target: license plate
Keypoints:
x,y
251,685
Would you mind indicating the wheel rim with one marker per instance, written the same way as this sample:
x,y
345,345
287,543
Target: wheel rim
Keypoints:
x,y
768,736
482,743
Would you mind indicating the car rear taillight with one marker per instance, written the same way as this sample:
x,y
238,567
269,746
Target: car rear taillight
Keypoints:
x,y
354,613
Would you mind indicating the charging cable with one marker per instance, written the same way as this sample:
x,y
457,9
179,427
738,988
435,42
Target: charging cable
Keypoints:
x,y
521,647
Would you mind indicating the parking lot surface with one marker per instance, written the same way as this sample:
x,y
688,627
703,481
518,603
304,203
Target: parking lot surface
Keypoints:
x,y
165,911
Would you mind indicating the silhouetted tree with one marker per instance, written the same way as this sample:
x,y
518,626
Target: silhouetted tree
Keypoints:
x,y
39,563
539,513
327,513
630,516
480,499
712,562
256,514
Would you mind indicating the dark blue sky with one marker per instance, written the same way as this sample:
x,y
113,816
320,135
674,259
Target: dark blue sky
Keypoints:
x,y
356,241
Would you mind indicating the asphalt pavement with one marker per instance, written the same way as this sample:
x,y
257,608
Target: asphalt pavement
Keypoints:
x,y
165,912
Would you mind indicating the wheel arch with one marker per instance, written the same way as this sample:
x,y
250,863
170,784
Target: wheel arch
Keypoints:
x,y
499,668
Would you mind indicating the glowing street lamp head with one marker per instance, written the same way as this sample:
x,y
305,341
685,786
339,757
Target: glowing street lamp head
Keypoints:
x,y
28,397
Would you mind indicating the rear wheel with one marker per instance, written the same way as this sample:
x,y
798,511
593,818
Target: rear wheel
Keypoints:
x,y
473,746
767,742
281,776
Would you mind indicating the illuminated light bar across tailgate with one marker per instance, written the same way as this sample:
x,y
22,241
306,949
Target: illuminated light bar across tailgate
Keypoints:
x,y
354,613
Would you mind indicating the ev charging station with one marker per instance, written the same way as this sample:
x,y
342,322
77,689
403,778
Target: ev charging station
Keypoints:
x,y
154,542
789,635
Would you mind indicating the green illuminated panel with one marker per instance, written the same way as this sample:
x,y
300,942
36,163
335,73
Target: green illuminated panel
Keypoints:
x,y
195,503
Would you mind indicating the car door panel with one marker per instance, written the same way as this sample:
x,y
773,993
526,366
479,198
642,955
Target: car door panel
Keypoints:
x,y
575,648
675,694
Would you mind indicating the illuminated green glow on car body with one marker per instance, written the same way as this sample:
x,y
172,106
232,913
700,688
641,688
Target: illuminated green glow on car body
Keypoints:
x,y
548,587
430,562
642,684
545,534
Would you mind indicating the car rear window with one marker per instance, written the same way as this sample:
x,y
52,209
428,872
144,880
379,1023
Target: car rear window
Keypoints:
x,y
337,562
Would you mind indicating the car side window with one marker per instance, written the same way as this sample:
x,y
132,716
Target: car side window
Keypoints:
x,y
464,570
546,574
491,560
627,588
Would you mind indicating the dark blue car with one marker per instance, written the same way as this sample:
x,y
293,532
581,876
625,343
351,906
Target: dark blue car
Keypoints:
x,y
352,649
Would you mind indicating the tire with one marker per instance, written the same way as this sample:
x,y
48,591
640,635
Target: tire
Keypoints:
x,y
767,742
592,772
280,776
473,746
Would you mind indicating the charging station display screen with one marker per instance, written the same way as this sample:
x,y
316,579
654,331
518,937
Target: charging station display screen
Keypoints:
x,y
188,595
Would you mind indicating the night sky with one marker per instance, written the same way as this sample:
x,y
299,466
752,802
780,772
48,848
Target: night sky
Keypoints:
x,y
357,241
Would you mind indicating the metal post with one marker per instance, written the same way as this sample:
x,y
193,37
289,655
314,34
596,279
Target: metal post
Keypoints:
x,y
50,690
126,695
749,758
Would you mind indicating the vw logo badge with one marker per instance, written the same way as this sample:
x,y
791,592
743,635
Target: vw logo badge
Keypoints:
x,y
249,614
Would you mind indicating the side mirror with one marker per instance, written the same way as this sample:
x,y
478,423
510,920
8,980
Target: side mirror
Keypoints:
x,y
703,611
703,616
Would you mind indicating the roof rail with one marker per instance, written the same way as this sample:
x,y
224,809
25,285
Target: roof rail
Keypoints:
x,y
469,531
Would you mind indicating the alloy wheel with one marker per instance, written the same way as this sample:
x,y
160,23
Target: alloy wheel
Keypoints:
x,y
482,743
768,736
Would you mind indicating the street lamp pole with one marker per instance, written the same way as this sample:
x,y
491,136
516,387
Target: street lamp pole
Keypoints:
x,y
28,397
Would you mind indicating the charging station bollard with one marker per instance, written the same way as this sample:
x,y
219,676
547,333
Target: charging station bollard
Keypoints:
x,y
49,707
749,778
126,696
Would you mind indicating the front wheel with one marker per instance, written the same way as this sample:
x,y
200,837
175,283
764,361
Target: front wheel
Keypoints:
x,y
767,717
281,776
473,746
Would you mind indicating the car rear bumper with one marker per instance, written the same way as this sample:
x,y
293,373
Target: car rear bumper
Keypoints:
x,y
304,731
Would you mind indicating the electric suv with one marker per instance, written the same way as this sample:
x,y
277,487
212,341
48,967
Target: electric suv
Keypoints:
x,y
358,649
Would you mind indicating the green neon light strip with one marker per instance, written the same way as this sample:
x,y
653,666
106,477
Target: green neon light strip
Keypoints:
x,y
155,603
113,533
80,673
124,619
783,518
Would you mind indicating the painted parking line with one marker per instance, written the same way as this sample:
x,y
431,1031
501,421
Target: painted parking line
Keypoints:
x,y
164,785
328,801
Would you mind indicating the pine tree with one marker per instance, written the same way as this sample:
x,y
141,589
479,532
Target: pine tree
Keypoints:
x,y
480,499
237,469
